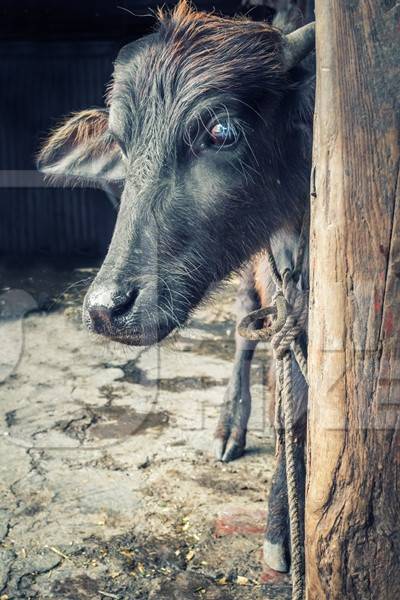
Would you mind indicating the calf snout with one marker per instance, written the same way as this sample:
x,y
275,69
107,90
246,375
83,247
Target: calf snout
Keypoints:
x,y
100,318
105,307
129,313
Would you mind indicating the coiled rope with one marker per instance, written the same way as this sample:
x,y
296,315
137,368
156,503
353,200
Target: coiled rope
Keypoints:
x,y
289,309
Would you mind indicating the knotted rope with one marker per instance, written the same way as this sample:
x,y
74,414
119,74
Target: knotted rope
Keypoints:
x,y
289,309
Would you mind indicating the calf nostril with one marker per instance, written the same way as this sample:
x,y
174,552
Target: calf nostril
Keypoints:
x,y
125,303
104,308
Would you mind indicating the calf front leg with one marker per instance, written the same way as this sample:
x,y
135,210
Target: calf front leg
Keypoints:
x,y
230,434
277,540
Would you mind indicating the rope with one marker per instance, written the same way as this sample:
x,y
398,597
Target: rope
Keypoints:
x,y
289,309
296,543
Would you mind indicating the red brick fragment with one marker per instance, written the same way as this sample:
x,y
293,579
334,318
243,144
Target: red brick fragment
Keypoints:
x,y
240,522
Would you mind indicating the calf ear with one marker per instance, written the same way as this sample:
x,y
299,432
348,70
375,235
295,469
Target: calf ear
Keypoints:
x,y
82,149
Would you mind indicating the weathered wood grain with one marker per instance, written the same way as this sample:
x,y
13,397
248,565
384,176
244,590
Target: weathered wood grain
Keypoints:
x,y
353,487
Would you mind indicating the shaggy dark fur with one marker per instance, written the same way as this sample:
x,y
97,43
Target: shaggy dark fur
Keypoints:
x,y
191,211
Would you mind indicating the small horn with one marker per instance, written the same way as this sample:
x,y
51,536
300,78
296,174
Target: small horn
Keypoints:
x,y
298,44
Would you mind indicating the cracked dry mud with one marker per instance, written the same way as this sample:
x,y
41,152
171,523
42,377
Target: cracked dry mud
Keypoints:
x,y
108,485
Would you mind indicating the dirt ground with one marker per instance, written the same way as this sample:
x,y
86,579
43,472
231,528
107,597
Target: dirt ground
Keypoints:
x,y
108,484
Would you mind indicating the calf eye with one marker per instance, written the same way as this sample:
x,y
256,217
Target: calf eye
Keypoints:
x,y
224,134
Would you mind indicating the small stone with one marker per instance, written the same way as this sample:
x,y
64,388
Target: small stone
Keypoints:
x,y
145,464
190,555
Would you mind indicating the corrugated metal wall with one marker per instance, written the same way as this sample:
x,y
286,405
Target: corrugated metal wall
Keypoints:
x,y
40,82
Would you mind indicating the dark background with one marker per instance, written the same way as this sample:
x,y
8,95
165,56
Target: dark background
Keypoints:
x,y
56,58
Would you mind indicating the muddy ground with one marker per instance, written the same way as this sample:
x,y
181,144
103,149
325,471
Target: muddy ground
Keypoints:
x,y
108,484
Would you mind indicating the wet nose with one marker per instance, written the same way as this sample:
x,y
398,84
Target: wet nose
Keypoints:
x,y
100,317
104,306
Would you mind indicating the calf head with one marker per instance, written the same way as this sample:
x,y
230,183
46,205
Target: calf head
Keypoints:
x,y
204,131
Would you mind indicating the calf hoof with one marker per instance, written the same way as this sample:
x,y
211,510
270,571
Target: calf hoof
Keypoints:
x,y
230,446
230,434
275,556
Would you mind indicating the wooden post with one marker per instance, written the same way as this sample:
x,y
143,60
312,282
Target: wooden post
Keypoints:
x,y
353,486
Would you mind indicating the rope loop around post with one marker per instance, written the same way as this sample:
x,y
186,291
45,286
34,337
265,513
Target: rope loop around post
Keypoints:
x,y
278,310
